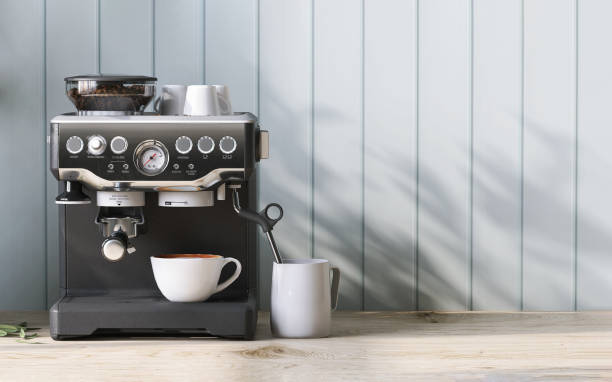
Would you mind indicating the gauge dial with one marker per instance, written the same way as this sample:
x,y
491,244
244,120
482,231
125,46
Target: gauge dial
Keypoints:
x,y
151,157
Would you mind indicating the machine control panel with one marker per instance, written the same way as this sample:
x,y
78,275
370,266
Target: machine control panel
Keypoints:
x,y
147,151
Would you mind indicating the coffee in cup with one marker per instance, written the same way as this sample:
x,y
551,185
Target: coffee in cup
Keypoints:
x,y
191,277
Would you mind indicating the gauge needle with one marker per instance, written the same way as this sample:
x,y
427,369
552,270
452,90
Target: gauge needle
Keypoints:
x,y
150,159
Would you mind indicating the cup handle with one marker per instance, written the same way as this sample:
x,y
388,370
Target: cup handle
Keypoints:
x,y
233,278
156,104
334,287
224,105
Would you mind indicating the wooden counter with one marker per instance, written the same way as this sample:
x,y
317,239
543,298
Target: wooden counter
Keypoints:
x,y
380,346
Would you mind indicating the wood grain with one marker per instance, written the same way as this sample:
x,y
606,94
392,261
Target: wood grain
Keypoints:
x,y
363,346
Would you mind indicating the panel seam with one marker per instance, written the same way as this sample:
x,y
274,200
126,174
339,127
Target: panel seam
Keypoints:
x,y
153,38
363,155
312,129
45,160
417,154
98,37
576,158
471,165
522,162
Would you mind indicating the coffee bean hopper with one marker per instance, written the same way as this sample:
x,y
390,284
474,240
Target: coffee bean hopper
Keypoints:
x,y
133,185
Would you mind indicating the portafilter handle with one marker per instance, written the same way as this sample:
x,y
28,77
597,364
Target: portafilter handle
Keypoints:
x,y
263,219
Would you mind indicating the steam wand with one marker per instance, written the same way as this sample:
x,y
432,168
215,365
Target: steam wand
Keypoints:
x,y
263,218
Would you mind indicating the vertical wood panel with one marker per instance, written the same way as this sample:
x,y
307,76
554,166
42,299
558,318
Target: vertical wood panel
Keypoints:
x,y
286,110
444,142
390,154
594,282
22,242
231,50
179,42
126,37
548,228
70,24
338,143
497,155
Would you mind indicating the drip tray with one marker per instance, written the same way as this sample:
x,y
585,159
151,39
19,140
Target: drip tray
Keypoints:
x,y
104,315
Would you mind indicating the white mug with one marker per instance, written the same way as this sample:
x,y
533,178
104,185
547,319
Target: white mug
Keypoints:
x,y
225,105
302,298
201,100
172,100
191,278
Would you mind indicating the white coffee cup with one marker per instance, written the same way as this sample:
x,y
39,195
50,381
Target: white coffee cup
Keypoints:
x,y
302,299
191,277
172,100
225,105
201,100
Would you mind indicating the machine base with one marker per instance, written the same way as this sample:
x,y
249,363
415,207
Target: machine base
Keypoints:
x,y
108,315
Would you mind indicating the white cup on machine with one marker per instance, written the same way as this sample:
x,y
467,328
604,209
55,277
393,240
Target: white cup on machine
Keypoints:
x,y
172,100
303,296
206,100
225,106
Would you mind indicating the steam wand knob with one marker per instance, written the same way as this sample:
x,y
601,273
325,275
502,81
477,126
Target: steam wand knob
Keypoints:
x,y
263,218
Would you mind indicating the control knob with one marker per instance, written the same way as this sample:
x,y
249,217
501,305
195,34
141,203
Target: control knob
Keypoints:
x,y
206,144
227,145
96,144
183,145
119,145
74,145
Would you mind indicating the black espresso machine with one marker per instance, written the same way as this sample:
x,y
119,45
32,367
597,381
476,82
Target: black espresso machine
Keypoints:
x,y
134,185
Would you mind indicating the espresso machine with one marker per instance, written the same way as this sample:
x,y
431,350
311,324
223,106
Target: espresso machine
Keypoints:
x,y
134,185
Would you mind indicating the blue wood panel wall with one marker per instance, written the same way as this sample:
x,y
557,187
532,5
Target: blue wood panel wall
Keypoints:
x,y
446,154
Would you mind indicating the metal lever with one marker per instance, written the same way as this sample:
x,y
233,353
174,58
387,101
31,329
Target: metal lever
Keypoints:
x,y
263,219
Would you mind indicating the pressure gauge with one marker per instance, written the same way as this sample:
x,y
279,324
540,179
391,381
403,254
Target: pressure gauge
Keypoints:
x,y
151,157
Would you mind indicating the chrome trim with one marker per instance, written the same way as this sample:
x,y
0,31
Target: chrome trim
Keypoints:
x,y
95,182
154,118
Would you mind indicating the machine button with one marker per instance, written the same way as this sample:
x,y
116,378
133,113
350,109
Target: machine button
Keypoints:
x,y
206,145
183,145
118,145
74,145
227,145
176,166
190,166
125,166
111,166
96,144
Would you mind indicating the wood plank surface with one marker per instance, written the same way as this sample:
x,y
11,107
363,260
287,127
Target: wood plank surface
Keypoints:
x,y
338,139
444,155
497,123
390,346
64,17
126,37
231,50
22,153
285,75
390,58
594,242
548,204
179,42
